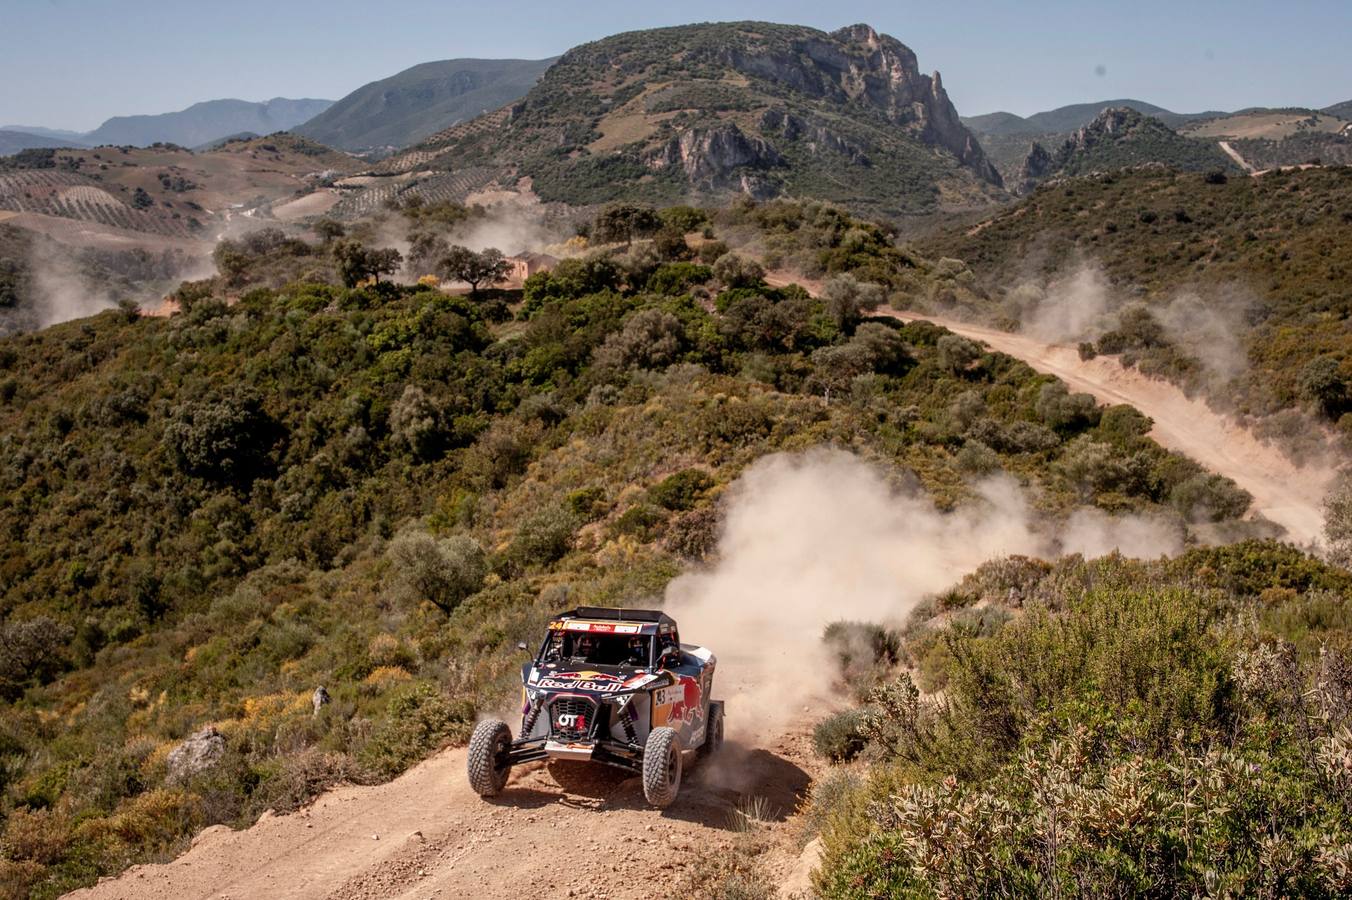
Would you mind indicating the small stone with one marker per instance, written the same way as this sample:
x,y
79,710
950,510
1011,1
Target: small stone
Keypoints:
x,y
375,837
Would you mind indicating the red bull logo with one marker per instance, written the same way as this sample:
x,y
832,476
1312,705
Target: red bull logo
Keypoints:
x,y
588,676
682,700
595,682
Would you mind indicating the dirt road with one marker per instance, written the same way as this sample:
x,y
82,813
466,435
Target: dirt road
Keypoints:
x,y
1234,154
426,835
1290,496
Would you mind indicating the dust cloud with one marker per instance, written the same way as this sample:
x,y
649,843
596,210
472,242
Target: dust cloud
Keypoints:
x,y
1081,305
822,536
60,293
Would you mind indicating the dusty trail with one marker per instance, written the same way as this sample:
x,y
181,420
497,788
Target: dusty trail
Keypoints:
x,y
1234,154
1284,493
426,835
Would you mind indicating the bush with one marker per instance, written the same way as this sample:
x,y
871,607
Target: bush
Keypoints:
x,y
650,339
733,271
837,737
419,720
693,535
442,571
957,354
227,440
1209,497
415,422
31,652
847,299
1066,412
682,490
542,539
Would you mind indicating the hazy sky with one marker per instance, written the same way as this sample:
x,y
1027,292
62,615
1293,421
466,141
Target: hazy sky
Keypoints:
x,y
73,63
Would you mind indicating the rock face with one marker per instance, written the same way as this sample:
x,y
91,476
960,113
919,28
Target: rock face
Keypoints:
x,y
199,752
856,64
818,138
1037,165
709,156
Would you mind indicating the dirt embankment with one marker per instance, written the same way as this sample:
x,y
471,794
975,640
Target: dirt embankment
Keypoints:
x,y
579,831
1284,493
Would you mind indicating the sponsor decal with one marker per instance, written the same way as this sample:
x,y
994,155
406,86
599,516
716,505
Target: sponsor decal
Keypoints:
x,y
571,721
596,627
565,683
682,700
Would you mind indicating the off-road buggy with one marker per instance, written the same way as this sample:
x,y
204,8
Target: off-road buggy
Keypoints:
x,y
615,686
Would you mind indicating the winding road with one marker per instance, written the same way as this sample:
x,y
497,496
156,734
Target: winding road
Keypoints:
x,y
1284,493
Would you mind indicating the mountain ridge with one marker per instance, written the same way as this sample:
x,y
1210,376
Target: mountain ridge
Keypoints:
x,y
721,109
421,100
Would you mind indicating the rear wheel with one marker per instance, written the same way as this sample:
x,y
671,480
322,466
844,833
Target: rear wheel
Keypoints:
x,y
713,737
662,767
487,760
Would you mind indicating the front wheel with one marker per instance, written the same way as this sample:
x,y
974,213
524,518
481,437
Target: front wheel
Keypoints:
x,y
662,767
487,760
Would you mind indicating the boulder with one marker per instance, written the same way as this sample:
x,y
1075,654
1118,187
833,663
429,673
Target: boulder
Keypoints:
x,y
200,751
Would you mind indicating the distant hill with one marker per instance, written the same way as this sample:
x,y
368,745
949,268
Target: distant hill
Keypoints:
x,y
55,137
13,141
418,102
1117,138
1341,110
1068,118
715,110
204,122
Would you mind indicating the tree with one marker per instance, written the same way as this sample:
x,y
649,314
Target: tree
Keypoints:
x,y
624,222
425,252
734,271
651,339
474,269
329,230
670,244
357,262
956,353
847,299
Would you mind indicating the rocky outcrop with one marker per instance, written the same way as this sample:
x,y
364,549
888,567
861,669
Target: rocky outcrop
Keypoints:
x,y
1037,165
715,158
198,752
816,138
856,64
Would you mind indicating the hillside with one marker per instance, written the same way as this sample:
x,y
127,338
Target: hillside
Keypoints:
x,y
204,122
382,489
166,191
1341,110
414,104
714,111
1262,259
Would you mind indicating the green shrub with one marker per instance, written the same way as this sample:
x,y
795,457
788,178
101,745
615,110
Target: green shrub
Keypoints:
x,y
837,737
681,490
442,571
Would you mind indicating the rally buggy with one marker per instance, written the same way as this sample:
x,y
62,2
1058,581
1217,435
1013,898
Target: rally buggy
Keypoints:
x,y
609,685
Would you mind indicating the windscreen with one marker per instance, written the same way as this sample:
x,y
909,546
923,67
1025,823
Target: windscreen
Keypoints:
x,y
581,648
